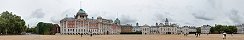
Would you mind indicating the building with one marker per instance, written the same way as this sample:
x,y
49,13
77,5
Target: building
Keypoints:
x,y
185,30
136,28
145,29
192,29
126,28
166,28
205,29
55,29
81,24
154,29
240,29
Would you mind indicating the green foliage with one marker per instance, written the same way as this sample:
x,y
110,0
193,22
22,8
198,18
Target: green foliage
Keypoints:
x,y
198,29
11,24
223,28
30,30
44,28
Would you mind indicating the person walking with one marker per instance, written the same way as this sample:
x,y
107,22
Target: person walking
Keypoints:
x,y
81,35
196,34
224,35
91,34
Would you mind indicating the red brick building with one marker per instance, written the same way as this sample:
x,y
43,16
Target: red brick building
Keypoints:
x,y
80,24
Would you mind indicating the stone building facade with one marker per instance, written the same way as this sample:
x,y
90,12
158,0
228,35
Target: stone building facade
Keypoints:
x,y
240,29
81,24
166,28
126,28
205,29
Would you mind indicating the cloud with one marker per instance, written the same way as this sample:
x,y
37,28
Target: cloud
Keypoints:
x,y
36,16
202,16
127,19
161,17
235,16
38,13
66,13
190,12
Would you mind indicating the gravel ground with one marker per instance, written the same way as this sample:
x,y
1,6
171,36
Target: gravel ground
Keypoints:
x,y
121,37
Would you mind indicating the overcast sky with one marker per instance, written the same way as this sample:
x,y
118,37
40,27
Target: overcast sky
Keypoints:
x,y
182,12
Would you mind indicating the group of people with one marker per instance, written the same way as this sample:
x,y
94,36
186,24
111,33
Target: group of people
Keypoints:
x,y
90,34
197,34
224,35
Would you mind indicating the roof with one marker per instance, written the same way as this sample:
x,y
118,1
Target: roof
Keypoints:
x,y
81,11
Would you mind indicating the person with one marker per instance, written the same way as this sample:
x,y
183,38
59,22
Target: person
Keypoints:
x,y
224,35
196,34
81,35
199,34
91,34
231,34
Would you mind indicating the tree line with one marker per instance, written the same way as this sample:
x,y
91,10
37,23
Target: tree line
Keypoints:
x,y
223,28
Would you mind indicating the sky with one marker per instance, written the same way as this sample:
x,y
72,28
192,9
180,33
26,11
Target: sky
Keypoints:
x,y
181,12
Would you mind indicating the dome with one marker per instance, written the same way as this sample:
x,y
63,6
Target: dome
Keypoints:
x,y
99,17
81,14
81,11
117,21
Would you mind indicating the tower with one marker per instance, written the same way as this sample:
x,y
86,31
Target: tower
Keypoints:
x,y
117,21
166,21
81,14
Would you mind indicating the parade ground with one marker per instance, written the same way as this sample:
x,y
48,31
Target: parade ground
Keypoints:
x,y
122,37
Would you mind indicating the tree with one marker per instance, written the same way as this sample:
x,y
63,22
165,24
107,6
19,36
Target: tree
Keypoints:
x,y
11,23
44,28
198,29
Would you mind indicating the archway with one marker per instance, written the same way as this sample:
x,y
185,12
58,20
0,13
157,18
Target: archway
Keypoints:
x,y
168,33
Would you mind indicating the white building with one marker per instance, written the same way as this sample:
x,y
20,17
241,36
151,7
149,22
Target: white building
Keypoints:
x,y
185,30
240,28
154,30
168,28
205,29
136,28
145,29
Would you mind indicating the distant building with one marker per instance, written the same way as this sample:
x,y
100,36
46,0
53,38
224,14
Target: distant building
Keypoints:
x,y
185,30
154,29
136,28
80,24
205,29
126,28
166,28
240,28
192,29
55,29
145,29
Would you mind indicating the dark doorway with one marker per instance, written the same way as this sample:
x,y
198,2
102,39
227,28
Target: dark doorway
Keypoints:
x,y
168,32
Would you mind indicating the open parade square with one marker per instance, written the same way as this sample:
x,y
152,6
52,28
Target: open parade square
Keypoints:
x,y
122,37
